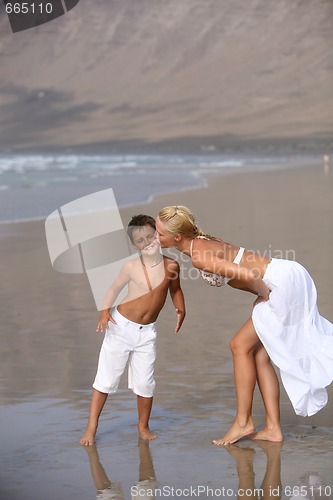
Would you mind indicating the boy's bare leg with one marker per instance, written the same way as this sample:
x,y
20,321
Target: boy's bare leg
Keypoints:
x,y
96,406
144,409
270,392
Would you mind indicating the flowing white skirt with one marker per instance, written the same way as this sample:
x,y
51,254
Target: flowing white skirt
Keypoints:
x,y
298,340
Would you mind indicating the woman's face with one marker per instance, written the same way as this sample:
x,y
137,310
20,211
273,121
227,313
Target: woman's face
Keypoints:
x,y
165,238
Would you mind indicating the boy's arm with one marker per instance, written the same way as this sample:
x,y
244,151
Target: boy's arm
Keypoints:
x,y
113,292
177,297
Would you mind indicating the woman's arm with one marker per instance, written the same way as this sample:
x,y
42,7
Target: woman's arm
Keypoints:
x,y
246,279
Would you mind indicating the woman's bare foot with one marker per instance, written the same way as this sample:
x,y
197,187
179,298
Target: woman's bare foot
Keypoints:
x,y
235,433
88,438
274,435
145,433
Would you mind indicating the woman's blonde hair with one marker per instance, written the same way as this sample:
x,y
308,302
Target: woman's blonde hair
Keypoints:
x,y
180,220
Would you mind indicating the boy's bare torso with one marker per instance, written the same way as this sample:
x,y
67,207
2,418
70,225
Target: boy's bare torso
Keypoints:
x,y
142,305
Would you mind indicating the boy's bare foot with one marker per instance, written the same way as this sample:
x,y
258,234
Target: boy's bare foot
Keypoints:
x,y
266,434
145,433
88,438
235,433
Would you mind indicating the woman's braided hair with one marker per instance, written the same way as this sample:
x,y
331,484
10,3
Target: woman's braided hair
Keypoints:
x,y
180,220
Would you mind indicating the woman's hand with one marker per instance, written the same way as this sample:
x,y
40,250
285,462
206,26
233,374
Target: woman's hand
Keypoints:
x,y
260,299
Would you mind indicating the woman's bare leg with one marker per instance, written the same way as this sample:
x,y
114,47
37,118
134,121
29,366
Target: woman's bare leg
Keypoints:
x,y
243,346
270,392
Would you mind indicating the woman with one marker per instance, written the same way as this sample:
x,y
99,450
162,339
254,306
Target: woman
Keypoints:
x,y
285,325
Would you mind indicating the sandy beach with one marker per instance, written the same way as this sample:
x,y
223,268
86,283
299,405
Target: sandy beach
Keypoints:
x,y
50,349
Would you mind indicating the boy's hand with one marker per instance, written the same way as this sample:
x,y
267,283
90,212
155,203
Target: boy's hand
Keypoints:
x,y
103,322
180,319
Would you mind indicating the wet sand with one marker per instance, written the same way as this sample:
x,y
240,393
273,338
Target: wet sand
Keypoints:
x,y
50,349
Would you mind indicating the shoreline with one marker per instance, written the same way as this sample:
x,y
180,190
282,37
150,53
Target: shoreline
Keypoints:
x,y
204,181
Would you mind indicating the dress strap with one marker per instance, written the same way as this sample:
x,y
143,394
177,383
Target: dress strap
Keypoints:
x,y
191,247
239,255
197,237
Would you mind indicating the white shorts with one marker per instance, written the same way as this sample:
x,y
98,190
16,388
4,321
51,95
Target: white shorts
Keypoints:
x,y
127,340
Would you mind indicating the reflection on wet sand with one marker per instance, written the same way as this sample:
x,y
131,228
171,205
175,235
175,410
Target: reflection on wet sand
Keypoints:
x,y
110,490
271,486
105,488
309,487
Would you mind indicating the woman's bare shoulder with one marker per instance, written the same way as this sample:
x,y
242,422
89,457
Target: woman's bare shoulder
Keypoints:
x,y
203,247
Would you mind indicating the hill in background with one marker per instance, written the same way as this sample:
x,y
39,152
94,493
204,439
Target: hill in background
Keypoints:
x,y
183,74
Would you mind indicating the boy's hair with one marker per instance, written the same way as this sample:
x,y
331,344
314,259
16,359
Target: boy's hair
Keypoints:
x,y
137,221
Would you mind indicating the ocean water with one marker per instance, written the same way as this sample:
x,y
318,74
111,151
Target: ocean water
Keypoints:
x,y
33,186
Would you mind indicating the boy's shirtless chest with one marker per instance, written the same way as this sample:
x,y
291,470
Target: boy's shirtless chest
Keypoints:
x,y
144,282
147,293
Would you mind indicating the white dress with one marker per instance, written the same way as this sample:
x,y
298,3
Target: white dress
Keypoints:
x,y
297,339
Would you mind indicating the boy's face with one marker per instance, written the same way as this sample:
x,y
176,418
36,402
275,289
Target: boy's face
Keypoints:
x,y
144,239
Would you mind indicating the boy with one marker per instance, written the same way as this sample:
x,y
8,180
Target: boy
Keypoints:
x,y
130,327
